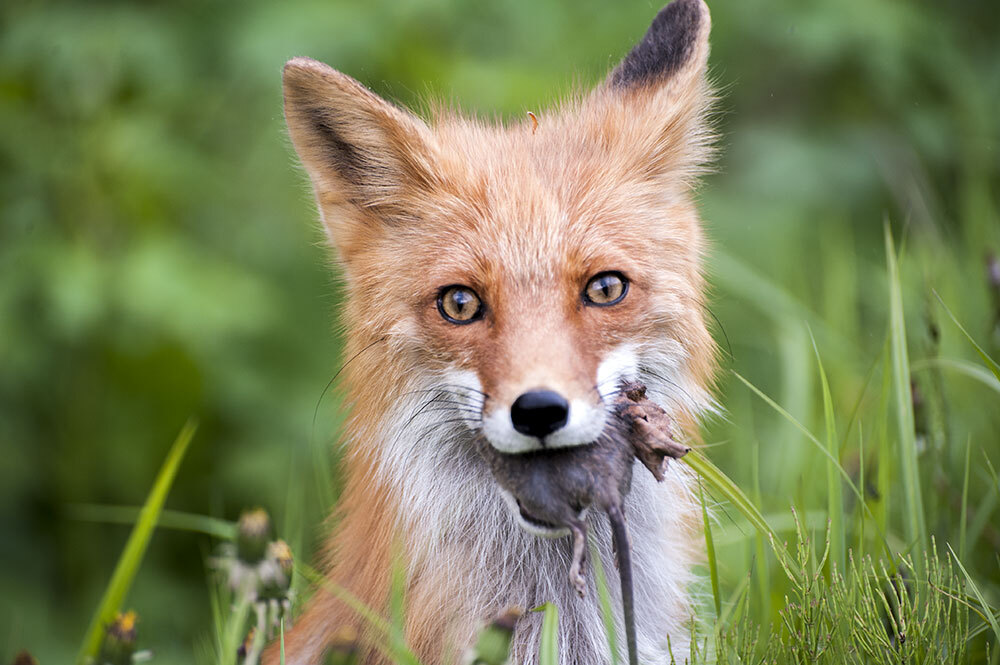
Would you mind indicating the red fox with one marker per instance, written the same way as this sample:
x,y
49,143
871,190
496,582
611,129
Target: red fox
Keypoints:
x,y
502,282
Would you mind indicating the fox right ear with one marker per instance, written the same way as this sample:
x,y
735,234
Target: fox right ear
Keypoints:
x,y
363,155
656,100
675,47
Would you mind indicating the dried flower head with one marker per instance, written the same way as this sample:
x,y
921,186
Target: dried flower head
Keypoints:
x,y
119,640
252,535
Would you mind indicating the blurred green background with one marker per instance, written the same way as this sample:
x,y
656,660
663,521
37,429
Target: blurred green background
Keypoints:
x,y
159,256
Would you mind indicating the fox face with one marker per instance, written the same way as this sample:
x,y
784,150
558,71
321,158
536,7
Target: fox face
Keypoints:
x,y
521,226
503,281
544,293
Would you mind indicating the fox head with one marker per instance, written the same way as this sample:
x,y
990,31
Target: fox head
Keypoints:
x,y
519,273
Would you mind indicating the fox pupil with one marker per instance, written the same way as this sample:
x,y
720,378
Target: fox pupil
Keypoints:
x,y
458,304
605,289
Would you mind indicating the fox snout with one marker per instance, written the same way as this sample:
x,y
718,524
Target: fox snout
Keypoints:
x,y
556,413
543,418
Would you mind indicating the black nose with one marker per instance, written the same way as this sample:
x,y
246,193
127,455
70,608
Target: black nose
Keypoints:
x,y
539,412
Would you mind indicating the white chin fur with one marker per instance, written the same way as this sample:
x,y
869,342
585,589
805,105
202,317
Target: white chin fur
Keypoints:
x,y
585,424
586,420
621,364
457,518
500,432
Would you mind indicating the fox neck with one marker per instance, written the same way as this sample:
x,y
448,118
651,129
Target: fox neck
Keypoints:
x,y
468,559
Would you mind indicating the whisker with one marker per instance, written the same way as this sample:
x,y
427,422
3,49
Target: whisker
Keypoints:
x,y
669,381
451,388
445,397
441,393
599,388
312,429
455,409
421,409
438,425
468,388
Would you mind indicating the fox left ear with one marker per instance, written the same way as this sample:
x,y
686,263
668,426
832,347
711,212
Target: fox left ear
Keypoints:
x,y
363,154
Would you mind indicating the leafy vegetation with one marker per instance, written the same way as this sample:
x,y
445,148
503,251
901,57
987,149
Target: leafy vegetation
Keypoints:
x,y
160,260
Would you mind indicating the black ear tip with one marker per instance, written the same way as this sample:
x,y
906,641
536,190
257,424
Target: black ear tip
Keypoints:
x,y
668,44
679,14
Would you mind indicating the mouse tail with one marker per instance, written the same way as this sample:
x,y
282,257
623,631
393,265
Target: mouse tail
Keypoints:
x,y
620,532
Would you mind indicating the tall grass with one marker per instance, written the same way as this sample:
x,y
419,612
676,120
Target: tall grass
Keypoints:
x,y
916,526
131,557
863,579
832,560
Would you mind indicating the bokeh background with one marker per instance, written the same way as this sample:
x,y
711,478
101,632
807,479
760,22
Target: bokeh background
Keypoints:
x,y
159,257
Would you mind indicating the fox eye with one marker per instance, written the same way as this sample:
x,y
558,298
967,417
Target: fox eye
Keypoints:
x,y
605,288
459,304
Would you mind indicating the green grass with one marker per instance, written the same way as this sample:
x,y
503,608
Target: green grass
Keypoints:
x,y
131,557
834,496
857,585
916,526
548,647
607,608
713,563
160,259
862,581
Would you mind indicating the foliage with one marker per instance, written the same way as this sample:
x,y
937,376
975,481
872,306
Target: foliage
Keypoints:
x,y
866,614
159,260
131,558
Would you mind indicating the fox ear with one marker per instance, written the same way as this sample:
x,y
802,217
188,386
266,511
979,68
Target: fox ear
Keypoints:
x,y
363,155
674,49
656,100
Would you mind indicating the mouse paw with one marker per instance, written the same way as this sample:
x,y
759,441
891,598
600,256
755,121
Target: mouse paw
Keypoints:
x,y
577,581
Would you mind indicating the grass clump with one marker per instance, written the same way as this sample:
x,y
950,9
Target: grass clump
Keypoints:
x,y
867,613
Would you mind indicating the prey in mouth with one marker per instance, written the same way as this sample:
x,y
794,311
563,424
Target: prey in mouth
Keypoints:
x,y
552,490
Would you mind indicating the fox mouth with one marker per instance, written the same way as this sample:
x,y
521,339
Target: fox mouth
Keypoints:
x,y
529,522
531,519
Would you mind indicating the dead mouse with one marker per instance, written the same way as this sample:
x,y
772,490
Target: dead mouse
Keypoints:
x,y
556,488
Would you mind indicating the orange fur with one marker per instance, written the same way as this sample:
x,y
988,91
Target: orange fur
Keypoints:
x,y
524,215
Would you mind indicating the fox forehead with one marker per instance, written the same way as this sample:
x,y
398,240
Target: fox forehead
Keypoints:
x,y
524,208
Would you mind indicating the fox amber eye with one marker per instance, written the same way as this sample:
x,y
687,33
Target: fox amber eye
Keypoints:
x,y
460,304
606,288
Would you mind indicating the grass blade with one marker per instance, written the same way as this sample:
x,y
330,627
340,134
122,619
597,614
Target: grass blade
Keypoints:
x,y
722,484
135,547
886,460
282,637
604,598
834,495
761,571
964,514
987,610
548,647
398,653
987,360
971,370
169,519
816,442
916,527
713,564
233,629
